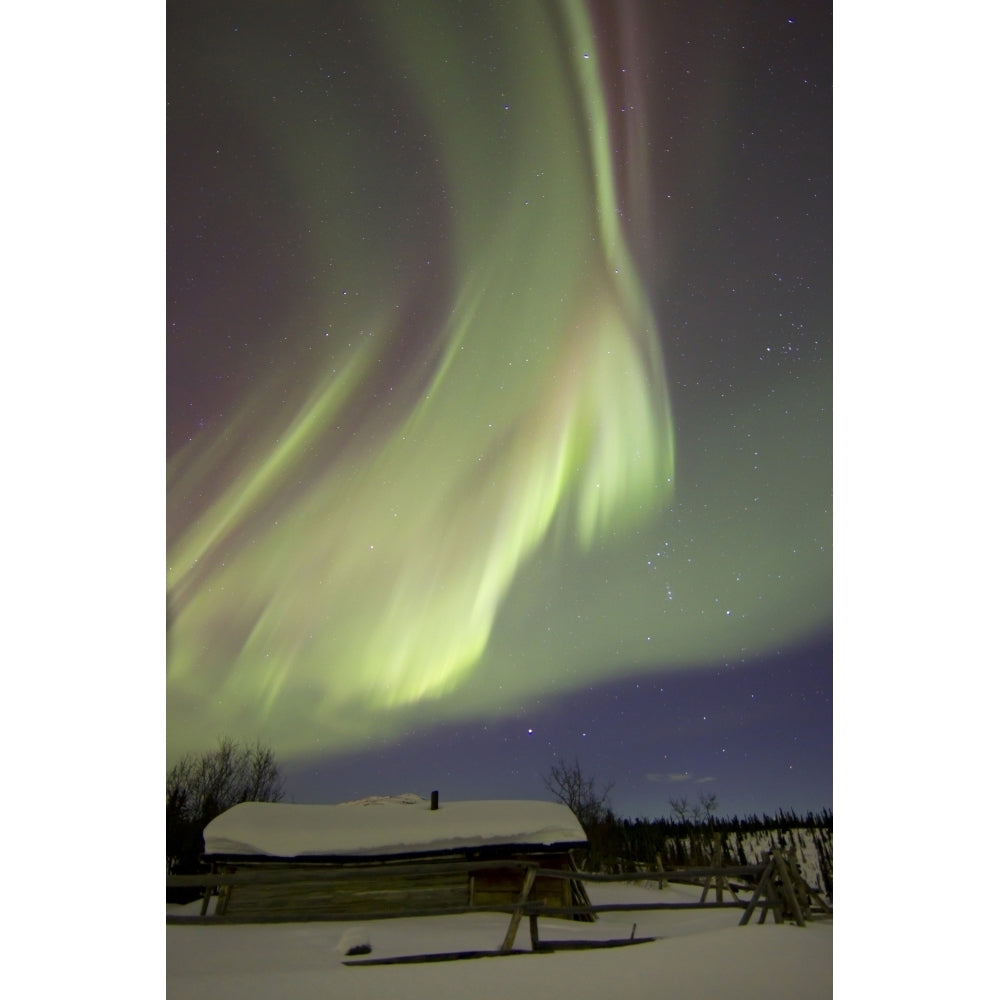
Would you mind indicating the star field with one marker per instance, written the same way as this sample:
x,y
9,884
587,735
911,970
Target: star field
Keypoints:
x,y
499,395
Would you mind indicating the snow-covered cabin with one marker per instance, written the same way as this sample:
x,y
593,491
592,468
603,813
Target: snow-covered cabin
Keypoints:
x,y
386,831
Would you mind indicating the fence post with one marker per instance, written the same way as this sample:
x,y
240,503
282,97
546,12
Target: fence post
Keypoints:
x,y
761,886
515,917
715,863
788,889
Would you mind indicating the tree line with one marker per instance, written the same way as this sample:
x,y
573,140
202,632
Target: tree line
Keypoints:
x,y
199,788
619,844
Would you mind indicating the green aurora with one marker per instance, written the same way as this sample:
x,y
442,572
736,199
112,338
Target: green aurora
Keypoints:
x,y
448,496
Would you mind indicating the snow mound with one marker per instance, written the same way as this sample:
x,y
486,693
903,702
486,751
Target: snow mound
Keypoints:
x,y
406,799
355,941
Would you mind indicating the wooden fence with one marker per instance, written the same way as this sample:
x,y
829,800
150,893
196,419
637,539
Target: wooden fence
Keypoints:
x,y
775,887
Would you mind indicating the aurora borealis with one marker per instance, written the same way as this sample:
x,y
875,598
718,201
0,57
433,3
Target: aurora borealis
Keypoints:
x,y
498,364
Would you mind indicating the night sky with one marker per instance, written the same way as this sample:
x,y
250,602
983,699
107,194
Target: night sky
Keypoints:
x,y
499,362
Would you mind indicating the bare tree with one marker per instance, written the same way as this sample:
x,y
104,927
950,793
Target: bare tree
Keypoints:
x,y
200,788
681,808
567,783
700,813
706,807
694,817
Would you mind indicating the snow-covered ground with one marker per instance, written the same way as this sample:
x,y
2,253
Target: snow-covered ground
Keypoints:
x,y
697,954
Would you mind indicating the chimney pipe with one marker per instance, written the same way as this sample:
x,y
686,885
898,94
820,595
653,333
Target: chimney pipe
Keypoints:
x,y
434,800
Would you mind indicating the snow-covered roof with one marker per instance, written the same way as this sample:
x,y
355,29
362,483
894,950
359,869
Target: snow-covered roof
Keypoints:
x,y
387,826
